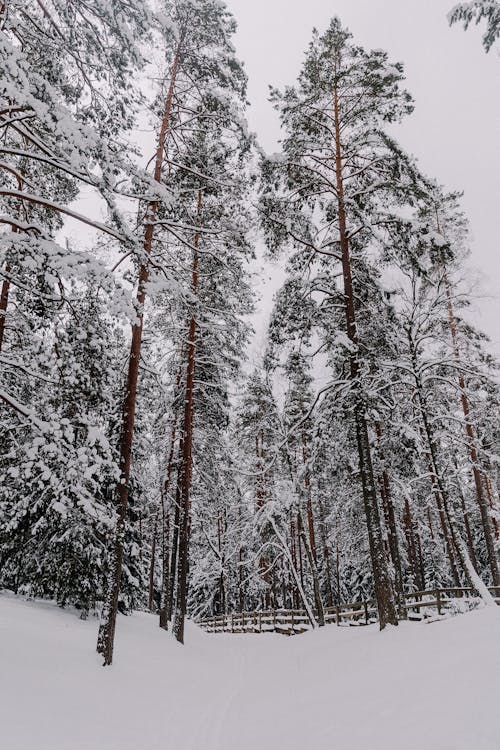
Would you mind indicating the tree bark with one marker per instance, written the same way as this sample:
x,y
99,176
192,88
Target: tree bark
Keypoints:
x,y
152,564
187,455
106,637
4,302
165,588
411,542
384,591
320,613
385,488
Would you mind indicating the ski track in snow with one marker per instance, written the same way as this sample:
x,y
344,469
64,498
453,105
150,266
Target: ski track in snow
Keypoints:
x,y
419,686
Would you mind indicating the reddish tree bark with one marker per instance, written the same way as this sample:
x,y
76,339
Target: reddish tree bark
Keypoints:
x,y
384,591
187,456
107,631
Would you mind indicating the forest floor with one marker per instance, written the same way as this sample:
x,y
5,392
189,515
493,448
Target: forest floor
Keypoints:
x,y
418,687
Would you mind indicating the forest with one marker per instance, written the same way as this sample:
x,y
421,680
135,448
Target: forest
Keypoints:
x,y
145,463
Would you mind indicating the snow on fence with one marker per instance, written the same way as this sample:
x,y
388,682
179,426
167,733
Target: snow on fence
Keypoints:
x,y
420,604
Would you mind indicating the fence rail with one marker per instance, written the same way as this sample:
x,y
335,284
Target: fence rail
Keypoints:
x,y
420,604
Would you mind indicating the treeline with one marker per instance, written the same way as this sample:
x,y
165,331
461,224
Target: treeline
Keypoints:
x,y
139,467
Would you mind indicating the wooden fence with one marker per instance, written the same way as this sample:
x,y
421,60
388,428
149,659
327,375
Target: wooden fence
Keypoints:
x,y
420,605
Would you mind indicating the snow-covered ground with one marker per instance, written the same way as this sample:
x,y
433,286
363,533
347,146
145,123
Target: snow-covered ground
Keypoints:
x,y
418,687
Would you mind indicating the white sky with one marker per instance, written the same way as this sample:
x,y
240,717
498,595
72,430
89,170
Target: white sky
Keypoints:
x,y
455,129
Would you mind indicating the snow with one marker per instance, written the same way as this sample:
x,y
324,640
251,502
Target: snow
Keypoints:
x,y
432,686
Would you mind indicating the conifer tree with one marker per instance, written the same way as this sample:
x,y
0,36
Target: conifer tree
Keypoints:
x,y
328,197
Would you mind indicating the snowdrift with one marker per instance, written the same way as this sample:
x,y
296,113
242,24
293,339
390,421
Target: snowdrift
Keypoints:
x,y
418,687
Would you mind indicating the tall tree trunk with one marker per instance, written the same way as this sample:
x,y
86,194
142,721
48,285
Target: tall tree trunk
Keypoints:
x,y
106,637
187,455
384,592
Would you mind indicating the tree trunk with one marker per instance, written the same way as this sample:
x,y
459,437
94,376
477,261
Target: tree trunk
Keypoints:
x,y
412,548
320,613
152,564
441,492
326,556
385,488
175,542
309,508
471,441
165,586
384,591
492,506
107,631
4,302
187,455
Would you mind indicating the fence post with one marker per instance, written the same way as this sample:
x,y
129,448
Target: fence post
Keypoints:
x,y
243,623
337,614
274,620
293,622
232,623
438,601
367,617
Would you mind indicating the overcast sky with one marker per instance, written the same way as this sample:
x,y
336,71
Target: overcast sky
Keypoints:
x,y
455,129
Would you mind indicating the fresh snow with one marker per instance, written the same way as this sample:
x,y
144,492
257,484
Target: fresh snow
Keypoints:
x,y
418,687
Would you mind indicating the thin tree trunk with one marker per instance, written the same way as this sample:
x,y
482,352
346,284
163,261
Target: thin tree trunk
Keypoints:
x,y
299,546
468,569
165,586
471,441
314,571
163,619
384,591
492,506
293,554
187,455
4,302
4,293
385,487
309,508
326,555
152,564
293,569
222,587
175,542
106,637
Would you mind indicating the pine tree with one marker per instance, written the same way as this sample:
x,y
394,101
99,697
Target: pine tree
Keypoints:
x,y
338,164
